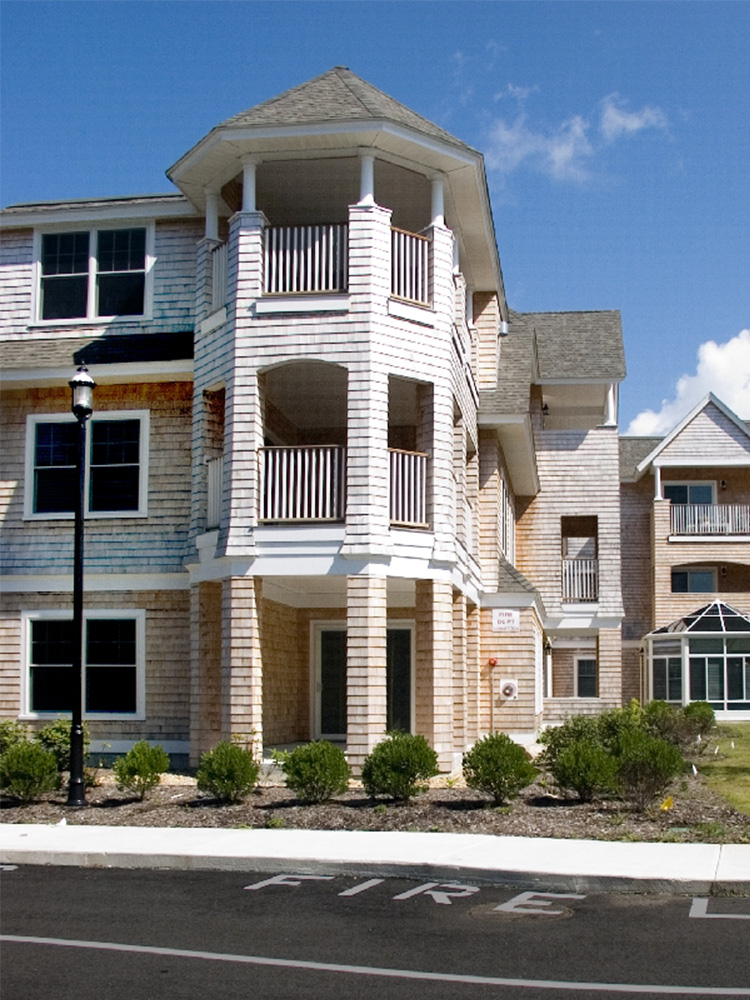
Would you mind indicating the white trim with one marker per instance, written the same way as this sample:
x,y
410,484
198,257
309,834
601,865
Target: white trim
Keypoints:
x,y
214,320
125,372
92,316
709,539
422,315
58,614
301,303
62,583
33,419
115,210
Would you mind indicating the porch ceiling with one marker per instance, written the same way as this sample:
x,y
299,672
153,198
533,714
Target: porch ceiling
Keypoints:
x,y
329,591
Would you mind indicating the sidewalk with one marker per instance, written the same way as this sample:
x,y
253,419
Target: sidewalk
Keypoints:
x,y
526,863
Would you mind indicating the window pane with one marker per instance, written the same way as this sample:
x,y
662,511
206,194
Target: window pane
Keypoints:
x,y
110,641
115,442
587,678
679,582
700,582
114,487
56,444
110,689
676,493
675,679
738,644
735,678
65,253
697,679
52,641
115,473
715,670
64,298
55,491
121,294
121,250
700,494
706,645
659,679
51,689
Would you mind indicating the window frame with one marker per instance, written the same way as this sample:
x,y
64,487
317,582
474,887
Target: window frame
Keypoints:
x,y
33,419
58,614
577,659
93,231
688,483
689,571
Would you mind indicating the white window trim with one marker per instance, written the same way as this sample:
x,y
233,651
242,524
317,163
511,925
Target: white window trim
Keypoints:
x,y
694,569
91,318
48,418
691,482
576,661
58,614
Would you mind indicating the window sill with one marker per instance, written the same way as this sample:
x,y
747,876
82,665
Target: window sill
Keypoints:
x,y
104,516
47,324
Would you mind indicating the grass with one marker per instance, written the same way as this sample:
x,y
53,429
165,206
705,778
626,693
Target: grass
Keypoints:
x,y
728,772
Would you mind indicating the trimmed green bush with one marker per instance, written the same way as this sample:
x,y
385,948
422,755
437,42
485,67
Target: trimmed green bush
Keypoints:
x,y
557,738
614,723
11,732
141,768
498,766
645,766
27,770
228,772
55,737
586,768
316,771
399,767
700,716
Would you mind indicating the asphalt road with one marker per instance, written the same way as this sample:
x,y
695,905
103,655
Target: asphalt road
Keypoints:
x,y
95,934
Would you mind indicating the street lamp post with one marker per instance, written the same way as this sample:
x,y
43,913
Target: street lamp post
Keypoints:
x,y
82,386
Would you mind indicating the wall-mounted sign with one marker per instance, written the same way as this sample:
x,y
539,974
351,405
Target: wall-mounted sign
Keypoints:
x,y
506,620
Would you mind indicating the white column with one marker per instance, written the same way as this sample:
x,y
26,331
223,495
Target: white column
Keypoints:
x,y
248,185
367,179
610,419
658,494
438,202
212,215
548,671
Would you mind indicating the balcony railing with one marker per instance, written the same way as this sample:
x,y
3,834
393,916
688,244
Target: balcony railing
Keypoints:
x,y
710,519
408,504
306,259
302,484
580,580
215,477
410,267
219,257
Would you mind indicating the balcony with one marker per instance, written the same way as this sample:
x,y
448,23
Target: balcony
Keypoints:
x,y
710,519
410,267
580,580
306,259
215,478
307,483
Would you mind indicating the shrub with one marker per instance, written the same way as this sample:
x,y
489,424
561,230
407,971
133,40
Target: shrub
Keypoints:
x,y
665,721
228,772
498,766
11,732
55,737
700,716
616,722
557,738
141,768
586,768
27,770
399,766
645,766
316,771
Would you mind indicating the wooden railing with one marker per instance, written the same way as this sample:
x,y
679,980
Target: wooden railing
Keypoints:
x,y
410,267
710,519
215,477
306,259
580,579
302,483
408,504
219,257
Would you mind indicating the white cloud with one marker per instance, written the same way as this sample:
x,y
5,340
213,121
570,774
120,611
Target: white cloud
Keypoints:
x,y
566,151
723,369
616,121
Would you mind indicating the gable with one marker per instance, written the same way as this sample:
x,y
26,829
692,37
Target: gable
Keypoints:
x,y
711,437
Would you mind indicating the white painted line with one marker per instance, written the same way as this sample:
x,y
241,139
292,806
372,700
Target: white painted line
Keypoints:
x,y
362,887
699,909
364,970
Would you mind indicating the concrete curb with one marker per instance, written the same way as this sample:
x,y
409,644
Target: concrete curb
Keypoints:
x,y
518,862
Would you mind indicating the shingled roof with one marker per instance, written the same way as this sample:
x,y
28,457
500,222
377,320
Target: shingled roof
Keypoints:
x,y
578,345
107,350
337,95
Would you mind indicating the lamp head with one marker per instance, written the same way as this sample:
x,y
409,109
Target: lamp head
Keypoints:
x,y
82,386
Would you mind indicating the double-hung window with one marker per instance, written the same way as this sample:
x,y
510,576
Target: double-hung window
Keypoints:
x,y
113,664
90,274
586,677
115,465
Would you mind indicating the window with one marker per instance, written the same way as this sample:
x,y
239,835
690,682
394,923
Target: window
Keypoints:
x,y
89,273
720,672
113,664
116,467
586,679
693,581
702,493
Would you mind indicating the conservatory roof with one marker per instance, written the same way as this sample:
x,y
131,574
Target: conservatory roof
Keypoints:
x,y
715,617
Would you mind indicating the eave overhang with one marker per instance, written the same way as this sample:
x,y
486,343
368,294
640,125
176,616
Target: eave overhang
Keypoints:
x,y
516,438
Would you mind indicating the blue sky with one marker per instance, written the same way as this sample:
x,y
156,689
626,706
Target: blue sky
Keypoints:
x,y
617,139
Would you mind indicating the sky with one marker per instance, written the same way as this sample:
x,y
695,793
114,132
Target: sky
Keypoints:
x,y
616,137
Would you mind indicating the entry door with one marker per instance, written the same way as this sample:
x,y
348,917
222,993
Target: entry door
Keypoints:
x,y
332,683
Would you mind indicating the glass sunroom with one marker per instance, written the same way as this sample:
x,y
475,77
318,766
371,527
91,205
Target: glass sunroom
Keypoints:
x,y
704,656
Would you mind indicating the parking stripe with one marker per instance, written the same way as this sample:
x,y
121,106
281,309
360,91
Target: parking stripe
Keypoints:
x,y
364,970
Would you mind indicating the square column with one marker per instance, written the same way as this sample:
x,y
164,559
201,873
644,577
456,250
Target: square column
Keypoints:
x,y
460,673
434,667
610,667
205,668
366,637
241,662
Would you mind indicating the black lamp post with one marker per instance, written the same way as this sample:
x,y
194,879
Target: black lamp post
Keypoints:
x,y
82,404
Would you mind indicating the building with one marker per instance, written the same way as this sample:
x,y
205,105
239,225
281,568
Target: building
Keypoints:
x,y
334,485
